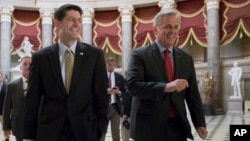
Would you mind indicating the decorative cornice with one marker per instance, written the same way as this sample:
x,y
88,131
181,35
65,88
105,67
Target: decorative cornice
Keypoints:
x,y
6,12
126,13
47,15
167,4
212,4
98,5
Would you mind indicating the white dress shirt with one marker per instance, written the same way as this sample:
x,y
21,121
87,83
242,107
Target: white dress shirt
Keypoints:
x,y
113,100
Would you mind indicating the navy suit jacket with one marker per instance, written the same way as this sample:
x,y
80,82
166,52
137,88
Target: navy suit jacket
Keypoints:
x,y
150,105
120,82
48,105
14,107
2,97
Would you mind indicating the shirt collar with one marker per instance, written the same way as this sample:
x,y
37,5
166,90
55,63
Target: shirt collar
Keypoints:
x,y
162,48
110,72
63,47
24,79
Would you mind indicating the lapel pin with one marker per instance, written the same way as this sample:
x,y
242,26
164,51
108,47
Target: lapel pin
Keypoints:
x,y
81,53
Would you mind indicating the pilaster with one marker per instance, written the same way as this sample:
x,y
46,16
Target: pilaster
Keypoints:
x,y
88,13
126,13
167,4
47,17
213,51
6,12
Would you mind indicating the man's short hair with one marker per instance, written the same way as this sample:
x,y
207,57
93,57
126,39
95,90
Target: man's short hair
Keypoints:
x,y
21,59
61,11
159,16
110,59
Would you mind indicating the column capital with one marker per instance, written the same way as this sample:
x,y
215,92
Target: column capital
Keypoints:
x,y
47,15
88,13
5,12
126,12
167,4
212,4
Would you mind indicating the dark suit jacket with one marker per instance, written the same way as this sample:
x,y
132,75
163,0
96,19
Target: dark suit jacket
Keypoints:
x,y
126,102
2,97
85,106
119,81
150,105
14,107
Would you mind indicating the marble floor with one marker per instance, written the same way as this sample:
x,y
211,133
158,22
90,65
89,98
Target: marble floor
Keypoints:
x,y
217,126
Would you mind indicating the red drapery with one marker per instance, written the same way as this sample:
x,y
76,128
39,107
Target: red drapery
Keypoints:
x,y
234,18
55,34
25,23
107,31
143,32
193,22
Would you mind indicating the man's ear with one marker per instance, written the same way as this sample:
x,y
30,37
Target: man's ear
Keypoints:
x,y
56,23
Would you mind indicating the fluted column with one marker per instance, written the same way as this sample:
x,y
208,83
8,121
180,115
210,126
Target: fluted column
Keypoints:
x,y
167,4
87,16
6,12
47,15
213,50
126,15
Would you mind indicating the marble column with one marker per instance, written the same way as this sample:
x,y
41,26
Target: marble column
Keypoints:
x,y
126,18
167,4
47,15
213,51
87,16
5,51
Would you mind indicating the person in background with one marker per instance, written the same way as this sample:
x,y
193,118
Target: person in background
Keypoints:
x,y
161,78
66,98
14,102
2,95
115,90
125,120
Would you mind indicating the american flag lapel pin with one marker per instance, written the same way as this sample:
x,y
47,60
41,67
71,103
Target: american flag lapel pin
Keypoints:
x,y
81,53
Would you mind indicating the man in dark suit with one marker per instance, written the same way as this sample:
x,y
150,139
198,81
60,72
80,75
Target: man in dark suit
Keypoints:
x,y
58,109
14,102
2,95
159,91
115,89
125,120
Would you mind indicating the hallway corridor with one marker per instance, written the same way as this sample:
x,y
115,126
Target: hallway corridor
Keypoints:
x,y
217,126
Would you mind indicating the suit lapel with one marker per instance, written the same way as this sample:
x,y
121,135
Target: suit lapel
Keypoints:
x,y
55,67
20,89
178,63
80,58
158,60
117,83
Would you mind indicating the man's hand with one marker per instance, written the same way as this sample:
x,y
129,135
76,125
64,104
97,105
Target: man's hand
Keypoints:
x,y
109,90
124,117
176,85
114,90
6,134
202,131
